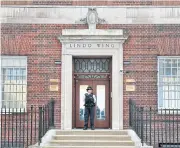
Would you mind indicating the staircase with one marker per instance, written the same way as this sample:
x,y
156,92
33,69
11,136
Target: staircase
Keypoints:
x,y
90,139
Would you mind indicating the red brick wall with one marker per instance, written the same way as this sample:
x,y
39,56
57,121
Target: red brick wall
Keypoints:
x,y
40,44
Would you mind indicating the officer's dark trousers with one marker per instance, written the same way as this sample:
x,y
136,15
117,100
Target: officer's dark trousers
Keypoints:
x,y
89,112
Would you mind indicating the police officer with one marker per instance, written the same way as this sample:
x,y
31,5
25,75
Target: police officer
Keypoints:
x,y
89,103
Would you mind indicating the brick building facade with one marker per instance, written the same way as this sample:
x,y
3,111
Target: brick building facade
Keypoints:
x,y
151,36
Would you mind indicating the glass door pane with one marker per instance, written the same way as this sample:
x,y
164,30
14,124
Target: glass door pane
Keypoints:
x,y
100,109
82,91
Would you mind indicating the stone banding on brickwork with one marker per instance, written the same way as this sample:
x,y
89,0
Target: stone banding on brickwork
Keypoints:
x,y
114,15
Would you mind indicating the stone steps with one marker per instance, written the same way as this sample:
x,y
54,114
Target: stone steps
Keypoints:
x,y
90,143
89,147
91,132
90,139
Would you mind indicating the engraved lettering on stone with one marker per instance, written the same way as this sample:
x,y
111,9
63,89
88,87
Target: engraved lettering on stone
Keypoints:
x,y
93,45
89,45
98,45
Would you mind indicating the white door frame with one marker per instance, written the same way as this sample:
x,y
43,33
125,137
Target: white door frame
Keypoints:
x,y
71,37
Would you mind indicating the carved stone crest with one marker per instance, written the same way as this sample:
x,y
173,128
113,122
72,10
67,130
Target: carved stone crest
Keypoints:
x,y
92,19
92,16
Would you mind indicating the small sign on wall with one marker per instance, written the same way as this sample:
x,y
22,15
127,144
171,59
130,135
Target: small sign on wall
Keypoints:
x,y
130,87
130,80
54,80
53,87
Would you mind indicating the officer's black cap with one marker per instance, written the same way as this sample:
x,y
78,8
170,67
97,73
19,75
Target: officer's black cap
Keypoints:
x,y
89,88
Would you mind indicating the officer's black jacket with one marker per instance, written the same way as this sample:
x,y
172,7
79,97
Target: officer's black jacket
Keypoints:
x,y
89,100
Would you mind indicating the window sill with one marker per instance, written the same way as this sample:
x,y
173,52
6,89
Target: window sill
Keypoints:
x,y
166,111
12,111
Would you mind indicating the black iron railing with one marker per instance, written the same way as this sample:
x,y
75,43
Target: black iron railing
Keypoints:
x,y
21,128
155,127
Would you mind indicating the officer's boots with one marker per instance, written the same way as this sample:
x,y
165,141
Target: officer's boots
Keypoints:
x,y
92,127
85,128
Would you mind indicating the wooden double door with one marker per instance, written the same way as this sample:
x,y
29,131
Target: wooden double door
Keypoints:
x,y
102,108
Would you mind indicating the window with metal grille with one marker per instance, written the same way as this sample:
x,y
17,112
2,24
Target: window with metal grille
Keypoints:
x,y
169,82
13,82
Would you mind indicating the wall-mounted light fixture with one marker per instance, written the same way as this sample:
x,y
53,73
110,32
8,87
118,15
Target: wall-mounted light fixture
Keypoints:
x,y
57,62
126,62
124,72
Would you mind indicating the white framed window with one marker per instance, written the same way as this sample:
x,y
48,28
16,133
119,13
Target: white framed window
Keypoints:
x,y
13,82
169,82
